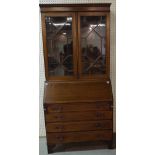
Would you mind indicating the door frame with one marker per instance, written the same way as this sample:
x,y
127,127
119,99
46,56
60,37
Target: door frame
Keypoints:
x,y
107,74
45,50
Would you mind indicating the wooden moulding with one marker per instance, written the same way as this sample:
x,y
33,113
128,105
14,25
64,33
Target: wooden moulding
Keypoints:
x,y
75,7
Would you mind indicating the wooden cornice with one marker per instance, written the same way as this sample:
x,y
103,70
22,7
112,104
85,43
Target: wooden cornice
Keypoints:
x,y
75,7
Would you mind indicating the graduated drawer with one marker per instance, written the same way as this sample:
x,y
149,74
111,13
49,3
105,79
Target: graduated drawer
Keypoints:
x,y
56,138
78,126
78,116
65,107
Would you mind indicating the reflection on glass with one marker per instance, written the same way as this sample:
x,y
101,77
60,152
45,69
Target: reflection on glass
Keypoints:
x,y
93,44
59,45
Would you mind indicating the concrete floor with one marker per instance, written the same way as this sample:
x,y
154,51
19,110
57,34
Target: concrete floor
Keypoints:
x,y
43,150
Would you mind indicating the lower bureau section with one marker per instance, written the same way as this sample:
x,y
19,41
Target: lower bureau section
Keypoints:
x,y
58,138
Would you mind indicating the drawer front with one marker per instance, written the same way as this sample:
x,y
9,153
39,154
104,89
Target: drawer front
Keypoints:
x,y
56,138
77,107
78,116
79,126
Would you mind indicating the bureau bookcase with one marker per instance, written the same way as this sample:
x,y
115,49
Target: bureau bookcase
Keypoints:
x,y
78,100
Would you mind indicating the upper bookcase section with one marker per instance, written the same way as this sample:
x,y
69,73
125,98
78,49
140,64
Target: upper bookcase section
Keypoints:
x,y
76,41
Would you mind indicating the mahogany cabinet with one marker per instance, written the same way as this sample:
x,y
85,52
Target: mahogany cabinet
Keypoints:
x,y
78,101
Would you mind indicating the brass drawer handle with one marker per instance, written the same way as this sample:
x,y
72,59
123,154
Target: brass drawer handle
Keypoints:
x,y
99,125
60,108
100,136
98,105
61,127
60,117
60,138
98,114
57,108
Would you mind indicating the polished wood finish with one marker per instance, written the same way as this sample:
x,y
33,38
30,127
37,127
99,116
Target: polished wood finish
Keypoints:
x,y
77,108
80,106
77,91
78,126
78,116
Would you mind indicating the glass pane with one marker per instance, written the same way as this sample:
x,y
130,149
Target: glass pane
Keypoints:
x,y
93,30
59,45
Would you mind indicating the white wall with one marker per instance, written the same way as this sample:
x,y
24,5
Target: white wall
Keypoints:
x,y
112,55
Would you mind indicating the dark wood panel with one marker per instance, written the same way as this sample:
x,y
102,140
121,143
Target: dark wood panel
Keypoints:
x,y
68,107
78,116
78,126
58,138
59,92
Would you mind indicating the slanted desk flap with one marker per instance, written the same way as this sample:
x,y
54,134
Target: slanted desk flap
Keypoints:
x,y
65,92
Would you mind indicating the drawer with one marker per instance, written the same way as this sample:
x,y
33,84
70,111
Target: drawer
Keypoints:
x,y
79,126
78,116
59,107
56,138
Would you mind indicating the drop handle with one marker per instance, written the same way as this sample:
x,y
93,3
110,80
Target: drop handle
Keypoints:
x,y
100,136
61,117
60,138
98,105
58,108
99,114
60,127
99,125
